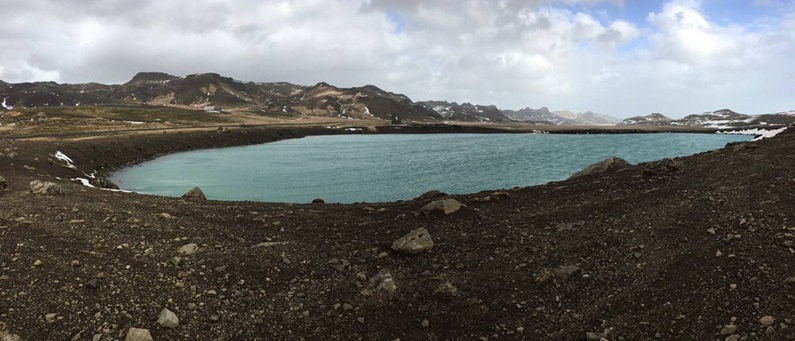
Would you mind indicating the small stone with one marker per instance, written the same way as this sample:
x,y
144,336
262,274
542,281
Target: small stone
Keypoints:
x,y
360,319
567,272
728,330
446,206
416,241
591,336
168,319
194,194
347,307
50,317
211,292
318,201
767,320
711,231
75,263
138,334
188,249
214,318
192,306
790,280
38,262
165,215
735,337
425,323
3,183
93,284
177,260
718,253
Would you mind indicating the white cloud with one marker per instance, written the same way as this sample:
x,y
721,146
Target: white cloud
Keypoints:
x,y
512,53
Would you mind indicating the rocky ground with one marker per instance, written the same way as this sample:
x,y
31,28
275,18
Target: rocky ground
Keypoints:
x,y
698,248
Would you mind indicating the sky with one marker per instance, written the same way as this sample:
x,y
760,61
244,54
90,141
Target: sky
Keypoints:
x,y
617,57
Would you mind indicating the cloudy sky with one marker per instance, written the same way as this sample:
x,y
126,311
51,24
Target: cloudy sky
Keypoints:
x,y
617,57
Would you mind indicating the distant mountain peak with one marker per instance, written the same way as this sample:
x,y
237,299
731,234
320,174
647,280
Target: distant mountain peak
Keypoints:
x,y
150,77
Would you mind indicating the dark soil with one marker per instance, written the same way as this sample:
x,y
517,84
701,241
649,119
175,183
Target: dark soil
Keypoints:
x,y
673,250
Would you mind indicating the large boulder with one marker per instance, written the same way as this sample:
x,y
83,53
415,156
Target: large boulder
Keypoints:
x,y
602,166
195,194
416,241
446,206
42,187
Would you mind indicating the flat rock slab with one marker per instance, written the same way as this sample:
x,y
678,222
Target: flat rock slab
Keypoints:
x,y
416,241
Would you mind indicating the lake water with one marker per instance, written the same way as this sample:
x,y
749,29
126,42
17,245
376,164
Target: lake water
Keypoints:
x,y
373,168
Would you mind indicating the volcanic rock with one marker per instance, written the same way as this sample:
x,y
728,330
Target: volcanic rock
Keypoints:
x,y
567,271
41,187
431,195
194,194
168,319
103,182
138,334
188,249
446,206
602,166
416,241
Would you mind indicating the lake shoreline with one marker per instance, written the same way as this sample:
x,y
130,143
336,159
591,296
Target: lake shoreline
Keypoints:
x,y
674,249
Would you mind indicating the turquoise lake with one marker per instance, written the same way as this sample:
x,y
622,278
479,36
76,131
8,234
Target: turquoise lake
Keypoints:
x,y
375,168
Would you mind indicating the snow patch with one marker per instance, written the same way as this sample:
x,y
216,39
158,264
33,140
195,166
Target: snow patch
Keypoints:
x,y
133,122
8,107
760,133
353,129
83,181
62,157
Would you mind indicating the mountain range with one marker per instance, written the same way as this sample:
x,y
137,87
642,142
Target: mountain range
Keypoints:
x,y
214,92
277,98
719,119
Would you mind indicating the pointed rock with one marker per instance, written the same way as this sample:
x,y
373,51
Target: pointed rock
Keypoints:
x,y
416,241
194,194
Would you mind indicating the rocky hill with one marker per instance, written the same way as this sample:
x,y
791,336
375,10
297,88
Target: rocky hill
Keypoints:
x,y
214,90
651,119
719,119
466,111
